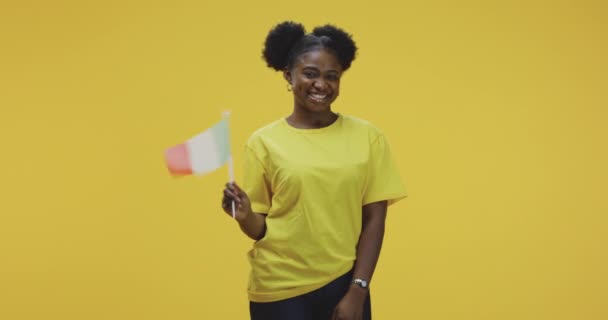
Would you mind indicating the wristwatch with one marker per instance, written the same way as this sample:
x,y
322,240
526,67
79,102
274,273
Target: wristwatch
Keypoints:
x,y
360,282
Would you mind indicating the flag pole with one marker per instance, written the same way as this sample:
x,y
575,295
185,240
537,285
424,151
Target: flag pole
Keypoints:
x,y
231,175
226,115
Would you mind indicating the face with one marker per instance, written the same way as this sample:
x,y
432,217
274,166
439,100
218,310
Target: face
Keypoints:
x,y
315,80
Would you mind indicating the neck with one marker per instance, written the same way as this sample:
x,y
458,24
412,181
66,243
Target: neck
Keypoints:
x,y
305,119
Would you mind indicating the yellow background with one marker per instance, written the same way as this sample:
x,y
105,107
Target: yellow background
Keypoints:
x,y
496,112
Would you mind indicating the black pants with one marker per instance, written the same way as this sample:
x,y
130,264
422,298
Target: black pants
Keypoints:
x,y
315,305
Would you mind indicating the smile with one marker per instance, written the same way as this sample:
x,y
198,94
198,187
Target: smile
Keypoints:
x,y
318,97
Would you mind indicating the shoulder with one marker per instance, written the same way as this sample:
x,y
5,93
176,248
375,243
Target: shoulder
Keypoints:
x,y
259,136
353,123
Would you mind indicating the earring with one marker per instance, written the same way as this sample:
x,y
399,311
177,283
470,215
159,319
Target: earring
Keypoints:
x,y
289,87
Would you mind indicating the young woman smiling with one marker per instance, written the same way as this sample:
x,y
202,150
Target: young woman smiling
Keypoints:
x,y
316,188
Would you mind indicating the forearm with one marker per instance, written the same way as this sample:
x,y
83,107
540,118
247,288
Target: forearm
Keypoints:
x,y
370,240
253,225
368,251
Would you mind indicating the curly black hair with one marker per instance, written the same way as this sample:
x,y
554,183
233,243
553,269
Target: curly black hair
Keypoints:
x,y
288,40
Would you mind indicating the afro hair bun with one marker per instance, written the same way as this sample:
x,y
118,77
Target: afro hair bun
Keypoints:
x,y
340,41
288,40
280,40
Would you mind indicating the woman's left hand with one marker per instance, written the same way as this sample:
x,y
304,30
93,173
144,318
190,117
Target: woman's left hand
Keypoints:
x,y
351,305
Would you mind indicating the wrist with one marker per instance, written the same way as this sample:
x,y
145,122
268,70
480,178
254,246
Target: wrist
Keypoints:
x,y
244,218
357,293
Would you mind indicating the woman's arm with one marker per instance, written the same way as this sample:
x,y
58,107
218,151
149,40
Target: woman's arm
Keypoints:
x,y
253,224
370,241
368,251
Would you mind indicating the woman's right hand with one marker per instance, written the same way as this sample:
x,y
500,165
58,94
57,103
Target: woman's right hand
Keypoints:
x,y
242,205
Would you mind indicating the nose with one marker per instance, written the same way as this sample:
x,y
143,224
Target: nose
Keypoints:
x,y
320,85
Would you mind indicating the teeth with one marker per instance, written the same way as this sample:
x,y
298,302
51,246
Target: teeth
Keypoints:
x,y
318,96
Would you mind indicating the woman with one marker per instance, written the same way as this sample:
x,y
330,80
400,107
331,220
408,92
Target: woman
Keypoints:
x,y
316,189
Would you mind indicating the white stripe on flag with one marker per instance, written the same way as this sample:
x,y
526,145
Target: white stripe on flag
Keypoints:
x,y
211,149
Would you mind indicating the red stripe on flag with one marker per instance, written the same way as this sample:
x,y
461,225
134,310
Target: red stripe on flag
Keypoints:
x,y
178,160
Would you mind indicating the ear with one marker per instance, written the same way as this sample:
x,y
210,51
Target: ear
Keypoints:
x,y
287,75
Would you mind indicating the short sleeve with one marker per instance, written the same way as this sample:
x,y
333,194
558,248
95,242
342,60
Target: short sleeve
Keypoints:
x,y
256,183
383,181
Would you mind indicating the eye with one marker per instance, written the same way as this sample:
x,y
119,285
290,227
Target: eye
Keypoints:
x,y
333,77
309,74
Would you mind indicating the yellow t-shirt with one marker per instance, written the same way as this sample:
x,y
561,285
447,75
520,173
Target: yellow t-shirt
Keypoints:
x,y
312,184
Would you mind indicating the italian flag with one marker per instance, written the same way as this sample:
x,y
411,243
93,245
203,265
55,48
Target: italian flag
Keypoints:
x,y
202,153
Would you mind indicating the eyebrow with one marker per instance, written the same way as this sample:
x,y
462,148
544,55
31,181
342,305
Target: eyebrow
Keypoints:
x,y
317,69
